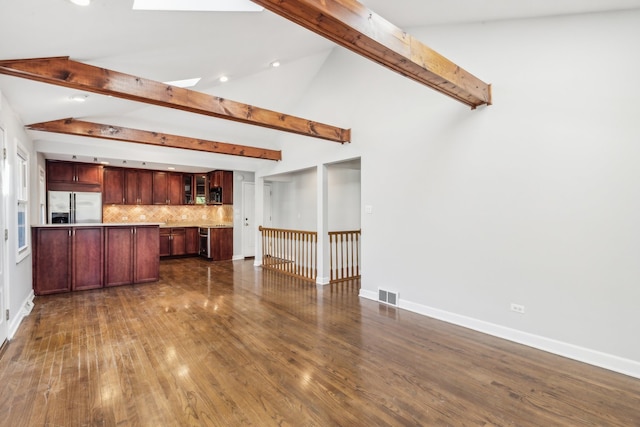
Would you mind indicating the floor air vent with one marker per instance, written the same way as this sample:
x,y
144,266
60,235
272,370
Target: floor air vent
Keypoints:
x,y
388,297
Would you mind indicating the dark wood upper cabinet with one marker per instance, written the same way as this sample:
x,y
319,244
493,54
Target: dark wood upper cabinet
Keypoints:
x,y
160,187
175,189
221,187
138,187
72,176
113,193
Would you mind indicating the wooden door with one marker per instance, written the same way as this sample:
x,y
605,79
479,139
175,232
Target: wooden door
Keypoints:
x,y
60,172
88,174
192,241
52,262
88,258
227,188
118,256
145,187
178,241
165,242
160,181
113,190
131,194
147,254
175,188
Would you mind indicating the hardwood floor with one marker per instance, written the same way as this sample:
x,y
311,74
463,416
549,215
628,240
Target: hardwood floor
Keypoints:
x,y
226,344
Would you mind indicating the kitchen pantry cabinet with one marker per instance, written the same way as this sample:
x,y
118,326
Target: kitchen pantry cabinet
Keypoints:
x,y
67,258
132,254
73,176
167,188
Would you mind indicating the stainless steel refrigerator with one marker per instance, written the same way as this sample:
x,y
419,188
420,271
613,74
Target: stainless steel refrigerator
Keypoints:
x,y
67,207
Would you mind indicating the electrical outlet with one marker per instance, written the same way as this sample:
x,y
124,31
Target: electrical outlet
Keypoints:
x,y
184,217
143,217
517,308
204,217
124,218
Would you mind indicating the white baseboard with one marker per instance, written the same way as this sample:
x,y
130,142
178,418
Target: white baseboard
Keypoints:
x,y
27,306
592,357
237,257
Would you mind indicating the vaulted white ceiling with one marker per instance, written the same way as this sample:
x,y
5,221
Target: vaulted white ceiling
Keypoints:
x,y
169,46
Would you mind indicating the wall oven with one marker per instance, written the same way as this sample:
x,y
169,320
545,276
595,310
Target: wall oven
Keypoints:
x,y
205,241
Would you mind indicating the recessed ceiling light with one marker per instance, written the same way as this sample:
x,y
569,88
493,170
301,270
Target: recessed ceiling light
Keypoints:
x,y
275,64
224,79
79,97
198,5
81,2
184,83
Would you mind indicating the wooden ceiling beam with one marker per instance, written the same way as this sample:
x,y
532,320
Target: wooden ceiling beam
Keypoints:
x,y
353,26
62,71
118,133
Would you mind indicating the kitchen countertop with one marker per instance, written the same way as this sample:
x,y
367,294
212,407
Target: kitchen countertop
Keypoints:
x,y
101,224
194,224
139,224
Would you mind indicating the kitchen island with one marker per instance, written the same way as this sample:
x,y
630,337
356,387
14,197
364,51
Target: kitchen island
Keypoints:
x,y
73,257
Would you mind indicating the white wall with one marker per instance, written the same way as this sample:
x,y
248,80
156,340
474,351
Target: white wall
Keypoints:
x,y
18,272
533,200
344,199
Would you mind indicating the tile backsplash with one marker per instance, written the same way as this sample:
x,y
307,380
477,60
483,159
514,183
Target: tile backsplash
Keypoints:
x,y
219,215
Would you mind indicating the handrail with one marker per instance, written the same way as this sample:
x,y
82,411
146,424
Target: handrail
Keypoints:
x,y
295,253
344,254
292,252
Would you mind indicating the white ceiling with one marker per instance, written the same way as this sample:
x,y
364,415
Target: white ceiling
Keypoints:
x,y
168,46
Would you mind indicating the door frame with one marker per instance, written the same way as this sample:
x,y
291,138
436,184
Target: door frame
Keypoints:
x,y
4,279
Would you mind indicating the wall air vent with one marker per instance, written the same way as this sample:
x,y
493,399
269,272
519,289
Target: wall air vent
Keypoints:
x,y
388,297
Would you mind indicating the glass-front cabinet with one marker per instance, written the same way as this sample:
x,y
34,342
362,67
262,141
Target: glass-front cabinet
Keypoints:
x,y
200,188
195,189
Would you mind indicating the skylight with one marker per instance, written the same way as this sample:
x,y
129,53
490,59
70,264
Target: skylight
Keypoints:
x,y
184,83
198,5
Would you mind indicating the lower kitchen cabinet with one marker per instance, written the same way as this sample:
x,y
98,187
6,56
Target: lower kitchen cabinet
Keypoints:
x,y
80,257
221,244
51,260
192,245
177,241
131,255
87,258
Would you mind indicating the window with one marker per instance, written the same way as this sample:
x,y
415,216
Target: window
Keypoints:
x,y
22,197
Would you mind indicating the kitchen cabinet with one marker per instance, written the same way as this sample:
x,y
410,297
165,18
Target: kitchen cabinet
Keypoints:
x,y
131,254
167,188
51,260
113,189
221,187
221,244
192,245
127,186
67,258
173,241
138,186
87,258
72,176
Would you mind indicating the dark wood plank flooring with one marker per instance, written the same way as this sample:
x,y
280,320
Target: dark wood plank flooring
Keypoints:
x,y
227,344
